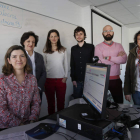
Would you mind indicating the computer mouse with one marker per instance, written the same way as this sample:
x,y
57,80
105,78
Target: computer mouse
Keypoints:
x,y
46,128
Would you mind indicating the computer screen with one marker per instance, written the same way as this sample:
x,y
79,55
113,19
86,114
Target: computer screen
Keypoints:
x,y
96,86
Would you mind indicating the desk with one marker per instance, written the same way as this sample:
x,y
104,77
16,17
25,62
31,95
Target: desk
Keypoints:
x,y
52,137
135,132
121,106
132,110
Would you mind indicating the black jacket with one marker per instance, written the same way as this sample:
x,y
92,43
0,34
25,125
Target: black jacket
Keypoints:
x,y
79,57
130,73
40,70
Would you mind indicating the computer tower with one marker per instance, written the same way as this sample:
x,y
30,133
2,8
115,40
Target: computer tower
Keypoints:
x,y
70,118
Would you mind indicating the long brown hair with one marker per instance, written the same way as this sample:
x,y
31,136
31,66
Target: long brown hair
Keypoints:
x,y
48,46
7,68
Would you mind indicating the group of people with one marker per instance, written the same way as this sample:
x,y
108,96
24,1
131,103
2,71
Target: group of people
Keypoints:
x,y
27,74
109,52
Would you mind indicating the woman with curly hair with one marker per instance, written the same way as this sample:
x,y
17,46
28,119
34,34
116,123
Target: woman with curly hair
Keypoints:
x,y
132,73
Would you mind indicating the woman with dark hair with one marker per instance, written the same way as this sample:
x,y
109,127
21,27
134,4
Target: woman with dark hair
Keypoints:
x,y
19,94
132,73
35,60
55,58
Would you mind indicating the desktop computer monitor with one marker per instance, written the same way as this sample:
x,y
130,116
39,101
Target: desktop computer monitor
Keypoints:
x,y
96,86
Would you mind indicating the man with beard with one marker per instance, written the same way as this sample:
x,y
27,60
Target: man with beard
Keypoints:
x,y
81,54
113,54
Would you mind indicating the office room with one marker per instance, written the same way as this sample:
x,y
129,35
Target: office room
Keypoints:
x,y
40,16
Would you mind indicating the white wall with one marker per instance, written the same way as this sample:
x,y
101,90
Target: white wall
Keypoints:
x,y
86,22
132,32
125,44
66,11
60,9
86,18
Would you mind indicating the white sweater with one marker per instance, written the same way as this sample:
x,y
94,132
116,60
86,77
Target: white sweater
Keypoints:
x,y
137,88
56,64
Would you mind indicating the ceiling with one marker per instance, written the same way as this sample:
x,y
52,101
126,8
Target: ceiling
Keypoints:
x,y
125,11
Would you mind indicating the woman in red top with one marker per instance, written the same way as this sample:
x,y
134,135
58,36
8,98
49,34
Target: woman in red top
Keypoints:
x,y
19,95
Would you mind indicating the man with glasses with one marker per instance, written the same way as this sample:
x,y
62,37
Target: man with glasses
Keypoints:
x,y
113,54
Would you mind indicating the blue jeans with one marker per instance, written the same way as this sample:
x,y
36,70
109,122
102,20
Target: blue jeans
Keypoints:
x,y
78,91
136,98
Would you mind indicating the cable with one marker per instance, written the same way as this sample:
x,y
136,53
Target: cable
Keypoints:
x,y
108,120
129,110
100,60
74,136
134,115
113,134
66,135
129,134
135,110
62,135
110,114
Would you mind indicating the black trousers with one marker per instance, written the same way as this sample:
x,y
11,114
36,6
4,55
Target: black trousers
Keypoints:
x,y
115,87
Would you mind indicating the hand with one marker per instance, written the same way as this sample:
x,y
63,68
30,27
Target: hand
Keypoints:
x,y
121,53
128,97
21,124
64,80
39,89
31,121
74,83
106,57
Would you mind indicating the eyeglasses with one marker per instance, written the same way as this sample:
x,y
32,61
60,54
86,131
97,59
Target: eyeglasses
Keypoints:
x,y
106,31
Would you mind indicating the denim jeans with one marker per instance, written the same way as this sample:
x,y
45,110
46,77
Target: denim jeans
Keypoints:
x,y
136,98
78,91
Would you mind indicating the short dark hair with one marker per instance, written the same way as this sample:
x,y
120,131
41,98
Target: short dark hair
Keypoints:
x,y
48,46
78,29
7,69
135,37
26,35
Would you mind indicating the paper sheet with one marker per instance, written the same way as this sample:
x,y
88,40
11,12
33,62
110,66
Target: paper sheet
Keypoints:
x,y
14,136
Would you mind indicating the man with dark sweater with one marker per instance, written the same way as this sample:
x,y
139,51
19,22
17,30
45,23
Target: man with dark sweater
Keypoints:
x,y
81,54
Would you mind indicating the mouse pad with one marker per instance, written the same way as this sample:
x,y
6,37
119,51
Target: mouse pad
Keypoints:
x,y
43,130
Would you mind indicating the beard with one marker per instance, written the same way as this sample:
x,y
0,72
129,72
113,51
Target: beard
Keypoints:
x,y
108,37
80,40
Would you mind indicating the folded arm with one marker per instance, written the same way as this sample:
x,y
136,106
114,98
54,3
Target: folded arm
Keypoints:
x,y
121,58
102,59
